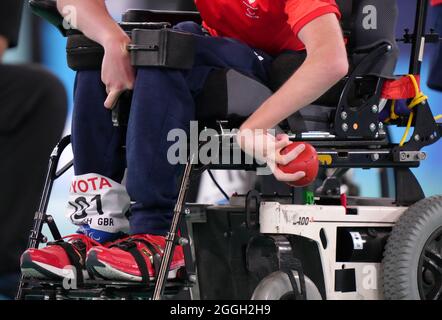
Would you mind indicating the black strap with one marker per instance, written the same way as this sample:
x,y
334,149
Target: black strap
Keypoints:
x,y
155,251
298,268
187,250
74,258
131,247
298,295
295,265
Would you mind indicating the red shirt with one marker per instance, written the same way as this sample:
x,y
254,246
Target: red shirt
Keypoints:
x,y
436,2
270,25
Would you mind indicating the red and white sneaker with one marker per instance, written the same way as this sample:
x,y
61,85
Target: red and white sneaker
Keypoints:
x,y
132,258
55,261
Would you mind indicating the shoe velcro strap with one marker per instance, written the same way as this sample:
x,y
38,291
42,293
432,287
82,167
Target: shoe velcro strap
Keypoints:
x,y
73,256
155,251
131,248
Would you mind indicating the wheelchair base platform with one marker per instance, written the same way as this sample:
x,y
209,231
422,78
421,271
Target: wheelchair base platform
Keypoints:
x,y
36,289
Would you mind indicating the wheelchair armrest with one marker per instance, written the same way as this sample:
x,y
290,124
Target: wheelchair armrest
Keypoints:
x,y
173,17
47,9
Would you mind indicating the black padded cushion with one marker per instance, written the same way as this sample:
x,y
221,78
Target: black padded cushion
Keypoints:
x,y
283,68
212,102
219,99
83,53
173,17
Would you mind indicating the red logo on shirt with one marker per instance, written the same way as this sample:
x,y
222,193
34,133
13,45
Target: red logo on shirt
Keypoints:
x,y
252,11
269,25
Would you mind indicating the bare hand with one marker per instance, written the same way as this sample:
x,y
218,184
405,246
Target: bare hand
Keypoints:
x,y
117,72
283,141
267,148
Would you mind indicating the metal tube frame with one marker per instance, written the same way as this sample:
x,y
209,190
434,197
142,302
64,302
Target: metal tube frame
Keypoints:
x,y
41,217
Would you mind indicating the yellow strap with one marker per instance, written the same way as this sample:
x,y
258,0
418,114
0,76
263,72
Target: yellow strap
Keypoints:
x,y
419,96
418,99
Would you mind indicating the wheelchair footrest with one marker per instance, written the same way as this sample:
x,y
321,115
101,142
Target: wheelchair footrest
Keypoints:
x,y
95,290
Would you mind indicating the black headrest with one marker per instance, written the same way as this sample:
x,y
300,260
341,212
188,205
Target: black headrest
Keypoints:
x,y
369,22
374,22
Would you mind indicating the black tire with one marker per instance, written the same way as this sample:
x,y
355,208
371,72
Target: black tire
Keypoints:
x,y
412,263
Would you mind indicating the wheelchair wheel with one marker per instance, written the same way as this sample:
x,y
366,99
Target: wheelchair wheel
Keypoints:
x,y
277,286
412,264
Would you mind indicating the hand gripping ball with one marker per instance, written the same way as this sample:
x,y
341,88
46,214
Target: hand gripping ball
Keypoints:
x,y
307,161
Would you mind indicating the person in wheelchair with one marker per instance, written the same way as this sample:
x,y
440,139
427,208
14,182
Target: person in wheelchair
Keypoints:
x,y
242,35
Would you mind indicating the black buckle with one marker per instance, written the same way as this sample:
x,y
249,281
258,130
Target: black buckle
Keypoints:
x,y
56,242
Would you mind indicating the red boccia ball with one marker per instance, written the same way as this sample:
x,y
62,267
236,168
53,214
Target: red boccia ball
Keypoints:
x,y
307,161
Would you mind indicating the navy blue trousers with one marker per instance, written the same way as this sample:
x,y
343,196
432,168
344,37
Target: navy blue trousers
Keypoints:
x,y
163,100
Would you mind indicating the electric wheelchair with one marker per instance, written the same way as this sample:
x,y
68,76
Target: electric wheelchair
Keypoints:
x,y
330,246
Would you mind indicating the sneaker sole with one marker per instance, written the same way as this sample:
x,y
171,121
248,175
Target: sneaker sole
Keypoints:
x,y
105,271
40,270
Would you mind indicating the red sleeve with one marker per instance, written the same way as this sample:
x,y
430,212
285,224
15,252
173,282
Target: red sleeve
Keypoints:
x,y
436,2
302,12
